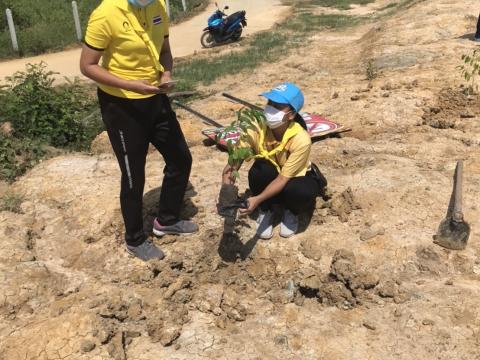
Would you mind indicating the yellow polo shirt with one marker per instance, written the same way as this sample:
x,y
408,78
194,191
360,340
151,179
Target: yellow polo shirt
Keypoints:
x,y
125,53
294,160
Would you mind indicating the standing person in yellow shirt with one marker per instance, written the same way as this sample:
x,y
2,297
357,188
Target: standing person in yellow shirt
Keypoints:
x,y
282,173
131,38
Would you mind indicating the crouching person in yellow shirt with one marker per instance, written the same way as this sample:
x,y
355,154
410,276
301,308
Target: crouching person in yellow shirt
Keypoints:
x,y
281,173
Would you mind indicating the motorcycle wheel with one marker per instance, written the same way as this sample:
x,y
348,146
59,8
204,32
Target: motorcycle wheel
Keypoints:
x,y
237,34
207,40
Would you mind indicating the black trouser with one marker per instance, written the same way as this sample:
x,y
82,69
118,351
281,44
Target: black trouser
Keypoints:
x,y
132,124
477,35
298,195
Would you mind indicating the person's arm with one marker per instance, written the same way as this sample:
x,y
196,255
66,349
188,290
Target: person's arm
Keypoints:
x,y
166,59
274,188
89,67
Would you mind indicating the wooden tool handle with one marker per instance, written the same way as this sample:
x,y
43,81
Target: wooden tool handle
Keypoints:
x,y
457,206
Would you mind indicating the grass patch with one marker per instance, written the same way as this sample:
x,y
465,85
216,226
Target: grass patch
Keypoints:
x,y
193,8
11,202
262,48
45,25
338,4
389,6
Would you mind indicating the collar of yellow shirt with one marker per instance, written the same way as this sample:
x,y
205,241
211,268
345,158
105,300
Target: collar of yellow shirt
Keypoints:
x,y
293,129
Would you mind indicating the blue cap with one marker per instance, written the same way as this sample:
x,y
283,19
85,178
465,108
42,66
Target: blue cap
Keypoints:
x,y
286,93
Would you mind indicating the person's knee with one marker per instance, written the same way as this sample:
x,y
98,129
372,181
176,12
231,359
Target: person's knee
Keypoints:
x,y
263,169
181,165
300,193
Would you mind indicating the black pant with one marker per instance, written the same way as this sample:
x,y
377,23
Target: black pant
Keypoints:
x,y
298,195
132,124
477,35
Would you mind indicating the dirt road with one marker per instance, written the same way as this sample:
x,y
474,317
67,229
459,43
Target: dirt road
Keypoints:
x,y
185,37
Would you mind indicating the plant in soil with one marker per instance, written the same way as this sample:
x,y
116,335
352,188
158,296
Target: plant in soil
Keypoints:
x,y
471,69
247,119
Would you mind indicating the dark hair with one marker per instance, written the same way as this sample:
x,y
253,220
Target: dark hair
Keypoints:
x,y
299,119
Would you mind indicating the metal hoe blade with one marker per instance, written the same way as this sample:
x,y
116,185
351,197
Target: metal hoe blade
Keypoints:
x,y
453,232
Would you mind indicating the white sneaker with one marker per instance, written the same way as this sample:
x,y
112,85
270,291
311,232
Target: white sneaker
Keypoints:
x,y
264,225
289,224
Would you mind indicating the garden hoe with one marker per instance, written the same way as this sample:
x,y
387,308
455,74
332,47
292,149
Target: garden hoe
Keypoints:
x,y
453,232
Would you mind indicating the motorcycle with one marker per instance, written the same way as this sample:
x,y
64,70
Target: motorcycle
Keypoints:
x,y
222,28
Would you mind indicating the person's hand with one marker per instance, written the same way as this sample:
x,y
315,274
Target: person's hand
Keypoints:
x,y
253,203
166,82
142,87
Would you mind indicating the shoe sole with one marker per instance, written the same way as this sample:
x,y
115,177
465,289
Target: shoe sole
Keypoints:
x,y
162,233
265,237
131,253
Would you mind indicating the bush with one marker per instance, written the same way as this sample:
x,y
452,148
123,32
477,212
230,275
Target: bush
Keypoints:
x,y
17,156
41,116
45,25
42,25
48,114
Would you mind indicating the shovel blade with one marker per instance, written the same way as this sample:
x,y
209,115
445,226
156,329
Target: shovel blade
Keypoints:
x,y
452,235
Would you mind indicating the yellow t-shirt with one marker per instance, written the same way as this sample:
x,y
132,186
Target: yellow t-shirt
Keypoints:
x,y
294,160
125,53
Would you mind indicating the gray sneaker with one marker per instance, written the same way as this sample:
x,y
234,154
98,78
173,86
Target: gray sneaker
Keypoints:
x,y
182,227
146,251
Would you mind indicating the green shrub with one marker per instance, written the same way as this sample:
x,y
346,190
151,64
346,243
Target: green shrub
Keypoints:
x,y
45,25
53,115
471,70
42,25
17,156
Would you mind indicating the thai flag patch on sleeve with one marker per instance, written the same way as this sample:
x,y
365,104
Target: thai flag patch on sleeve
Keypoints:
x,y
157,20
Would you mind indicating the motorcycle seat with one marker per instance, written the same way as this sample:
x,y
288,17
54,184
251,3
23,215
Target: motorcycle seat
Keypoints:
x,y
234,17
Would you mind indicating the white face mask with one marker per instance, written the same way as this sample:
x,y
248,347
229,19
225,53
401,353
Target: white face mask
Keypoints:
x,y
274,116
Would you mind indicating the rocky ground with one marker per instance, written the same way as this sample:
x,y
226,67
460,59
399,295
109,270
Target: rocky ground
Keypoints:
x,y
363,281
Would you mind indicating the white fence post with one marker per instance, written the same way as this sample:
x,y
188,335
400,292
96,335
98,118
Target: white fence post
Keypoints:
x,y
184,3
76,19
168,8
11,27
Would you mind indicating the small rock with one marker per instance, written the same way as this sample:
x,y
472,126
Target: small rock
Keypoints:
x,y
467,115
28,258
87,346
221,321
369,325
387,289
169,336
401,298
335,95
428,322
386,94
132,334
372,232
449,282
281,340
355,98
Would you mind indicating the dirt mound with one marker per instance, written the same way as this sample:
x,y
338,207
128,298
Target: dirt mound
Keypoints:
x,y
346,286
452,109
